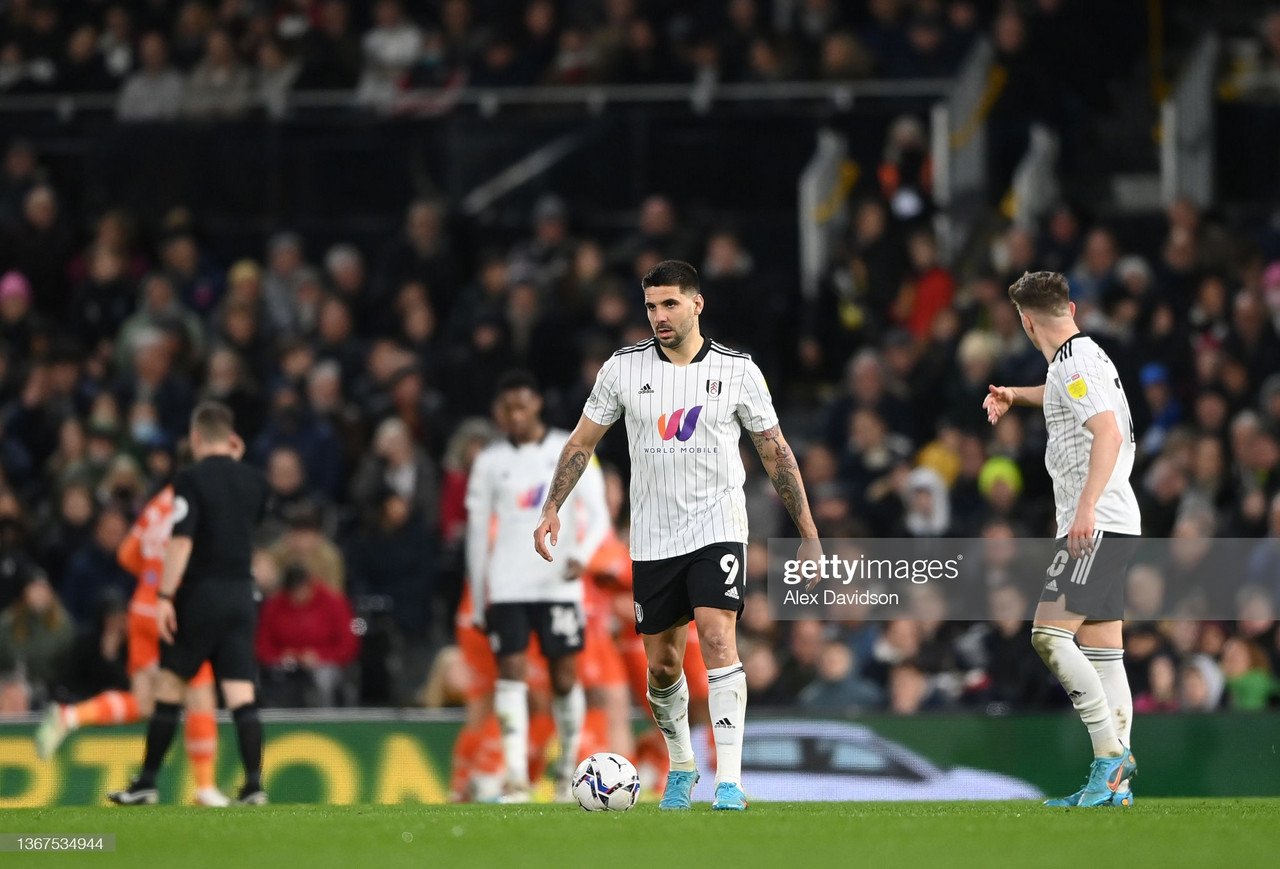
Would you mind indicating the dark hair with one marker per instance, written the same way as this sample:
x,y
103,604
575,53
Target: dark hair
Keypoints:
x,y
518,379
1041,291
672,273
213,420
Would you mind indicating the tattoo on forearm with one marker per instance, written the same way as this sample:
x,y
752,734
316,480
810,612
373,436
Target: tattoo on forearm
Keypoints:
x,y
573,461
784,473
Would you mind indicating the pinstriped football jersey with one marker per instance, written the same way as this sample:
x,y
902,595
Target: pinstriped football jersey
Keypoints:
x,y
505,493
683,428
1083,382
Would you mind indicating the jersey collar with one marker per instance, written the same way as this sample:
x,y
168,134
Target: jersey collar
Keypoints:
x,y
702,354
1059,354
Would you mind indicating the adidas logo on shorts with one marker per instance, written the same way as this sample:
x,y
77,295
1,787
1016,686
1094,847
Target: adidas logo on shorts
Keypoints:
x,y
733,593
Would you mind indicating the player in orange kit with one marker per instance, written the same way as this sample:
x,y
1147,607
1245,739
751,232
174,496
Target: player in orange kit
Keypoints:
x,y
142,554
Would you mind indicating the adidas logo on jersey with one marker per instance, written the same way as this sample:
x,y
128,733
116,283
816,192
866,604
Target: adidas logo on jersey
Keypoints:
x,y
733,593
725,722
646,390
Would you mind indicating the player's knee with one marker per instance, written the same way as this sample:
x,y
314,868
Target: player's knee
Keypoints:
x,y
1045,641
564,675
513,667
719,647
664,671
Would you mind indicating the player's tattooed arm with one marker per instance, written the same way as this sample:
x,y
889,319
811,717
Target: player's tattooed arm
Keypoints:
x,y
780,465
573,461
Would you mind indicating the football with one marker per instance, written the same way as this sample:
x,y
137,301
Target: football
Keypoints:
x,y
606,783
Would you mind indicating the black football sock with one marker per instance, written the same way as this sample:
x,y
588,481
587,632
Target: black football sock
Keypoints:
x,y
160,730
249,735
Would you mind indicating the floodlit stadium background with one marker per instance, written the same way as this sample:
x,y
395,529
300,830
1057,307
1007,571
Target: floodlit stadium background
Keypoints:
x,y
347,222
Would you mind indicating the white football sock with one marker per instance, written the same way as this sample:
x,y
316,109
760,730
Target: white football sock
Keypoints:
x,y
670,707
1115,682
1058,649
569,712
511,704
727,702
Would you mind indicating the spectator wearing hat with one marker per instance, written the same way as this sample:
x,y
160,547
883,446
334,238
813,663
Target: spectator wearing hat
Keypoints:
x,y
36,634
1163,408
928,505
1000,483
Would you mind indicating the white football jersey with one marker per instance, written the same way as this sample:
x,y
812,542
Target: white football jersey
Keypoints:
x,y
683,428
505,492
1081,383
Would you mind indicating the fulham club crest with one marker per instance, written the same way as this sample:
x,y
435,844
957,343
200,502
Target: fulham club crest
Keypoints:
x,y
713,387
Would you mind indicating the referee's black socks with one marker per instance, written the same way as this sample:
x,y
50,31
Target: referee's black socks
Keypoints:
x,y
160,730
249,736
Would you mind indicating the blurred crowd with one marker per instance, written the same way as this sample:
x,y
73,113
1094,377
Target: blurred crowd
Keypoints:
x,y
227,57
361,376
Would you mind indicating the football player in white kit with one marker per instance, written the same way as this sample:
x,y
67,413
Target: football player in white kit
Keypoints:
x,y
1090,457
686,400
515,593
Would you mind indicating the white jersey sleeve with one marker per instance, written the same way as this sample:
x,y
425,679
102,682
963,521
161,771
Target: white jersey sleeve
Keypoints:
x,y
1087,386
480,504
755,405
604,405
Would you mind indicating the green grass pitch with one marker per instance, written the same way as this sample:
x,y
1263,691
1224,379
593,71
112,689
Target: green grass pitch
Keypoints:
x,y
1164,833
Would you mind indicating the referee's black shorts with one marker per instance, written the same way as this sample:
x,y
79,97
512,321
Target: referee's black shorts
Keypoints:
x,y
1094,584
217,622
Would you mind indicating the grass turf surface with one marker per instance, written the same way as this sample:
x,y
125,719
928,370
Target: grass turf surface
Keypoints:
x,y
1166,833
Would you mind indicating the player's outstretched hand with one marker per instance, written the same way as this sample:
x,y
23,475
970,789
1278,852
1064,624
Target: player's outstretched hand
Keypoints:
x,y
999,399
810,549
166,620
549,524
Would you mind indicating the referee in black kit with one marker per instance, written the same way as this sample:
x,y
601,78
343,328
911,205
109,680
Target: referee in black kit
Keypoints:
x,y
206,608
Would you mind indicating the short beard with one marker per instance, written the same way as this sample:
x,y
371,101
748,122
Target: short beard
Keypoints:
x,y
674,341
